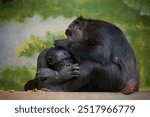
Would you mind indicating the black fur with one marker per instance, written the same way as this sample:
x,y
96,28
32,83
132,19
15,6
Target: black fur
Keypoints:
x,y
54,67
107,61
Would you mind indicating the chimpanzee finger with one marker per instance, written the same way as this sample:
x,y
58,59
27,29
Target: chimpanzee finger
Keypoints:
x,y
73,76
75,67
75,72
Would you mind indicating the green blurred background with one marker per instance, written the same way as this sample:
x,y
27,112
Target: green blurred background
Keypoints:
x,y
29,26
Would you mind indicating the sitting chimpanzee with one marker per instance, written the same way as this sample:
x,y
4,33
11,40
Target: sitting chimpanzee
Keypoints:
x,y
54,67
107,61
64,68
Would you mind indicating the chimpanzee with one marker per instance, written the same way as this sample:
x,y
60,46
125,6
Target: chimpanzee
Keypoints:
x,y
55,66
107,61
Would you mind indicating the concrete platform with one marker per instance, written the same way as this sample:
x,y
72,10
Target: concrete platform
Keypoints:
x,y
18,95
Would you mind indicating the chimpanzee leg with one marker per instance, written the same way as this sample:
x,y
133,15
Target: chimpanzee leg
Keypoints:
x,y
107,77
131,85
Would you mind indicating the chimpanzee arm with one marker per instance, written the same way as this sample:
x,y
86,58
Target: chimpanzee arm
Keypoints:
x,y
87,52
47,76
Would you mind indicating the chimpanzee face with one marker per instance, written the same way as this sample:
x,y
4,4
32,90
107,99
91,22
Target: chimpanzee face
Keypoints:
x,y
75,30
59,59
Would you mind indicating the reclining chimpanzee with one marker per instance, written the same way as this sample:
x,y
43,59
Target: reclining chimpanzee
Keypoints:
x,y
54,67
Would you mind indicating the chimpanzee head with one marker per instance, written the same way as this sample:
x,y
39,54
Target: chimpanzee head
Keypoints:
x,y
75,30
84,30
58,58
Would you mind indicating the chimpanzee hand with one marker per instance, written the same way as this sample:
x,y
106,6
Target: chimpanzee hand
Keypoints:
x,y
59,43
63,43
47,76
69,72
64,74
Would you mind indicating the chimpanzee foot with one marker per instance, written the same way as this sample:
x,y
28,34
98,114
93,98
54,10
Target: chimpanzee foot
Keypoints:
x,y
129,90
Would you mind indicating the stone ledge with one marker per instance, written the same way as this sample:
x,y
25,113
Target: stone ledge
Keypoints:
x,y
18,95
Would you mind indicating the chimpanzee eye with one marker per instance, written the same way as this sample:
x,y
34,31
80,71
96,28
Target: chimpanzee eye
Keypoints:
x,y
78,29
61,62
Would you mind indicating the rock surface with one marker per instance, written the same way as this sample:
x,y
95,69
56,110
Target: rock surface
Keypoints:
x,y
18,95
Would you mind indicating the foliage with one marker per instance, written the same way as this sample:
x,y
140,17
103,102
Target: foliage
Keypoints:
x,y
15,77
132,16
141,5
19,9
35,44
